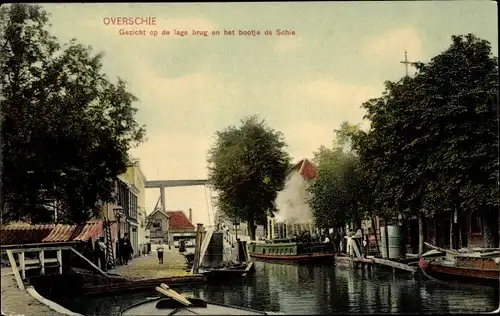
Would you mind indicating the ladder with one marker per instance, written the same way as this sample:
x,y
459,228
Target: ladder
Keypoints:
x,y
110,256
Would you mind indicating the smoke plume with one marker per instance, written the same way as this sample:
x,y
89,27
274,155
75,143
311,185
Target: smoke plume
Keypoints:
x,y
292,201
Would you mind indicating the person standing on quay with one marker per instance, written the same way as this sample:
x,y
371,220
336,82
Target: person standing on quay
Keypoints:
x,y
159,250
96,252
125,249
102,253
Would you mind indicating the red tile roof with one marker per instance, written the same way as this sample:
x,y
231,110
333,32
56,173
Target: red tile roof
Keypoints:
x,y
179,220
62,233
307,169
16,234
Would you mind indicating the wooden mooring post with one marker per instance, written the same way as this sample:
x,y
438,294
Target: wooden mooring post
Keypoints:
x,y
197,249
355,259
41,257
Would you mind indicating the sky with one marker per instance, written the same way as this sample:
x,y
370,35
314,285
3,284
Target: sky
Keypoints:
x,y
304,85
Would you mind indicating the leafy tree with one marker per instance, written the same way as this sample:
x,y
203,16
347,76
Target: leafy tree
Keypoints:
x,y
460,89
390,166
66,129
248,166
336,197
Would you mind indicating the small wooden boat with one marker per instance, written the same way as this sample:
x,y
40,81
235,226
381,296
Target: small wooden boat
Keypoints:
x,y
168,306
189,257
174,303
287,250
463,268
231,272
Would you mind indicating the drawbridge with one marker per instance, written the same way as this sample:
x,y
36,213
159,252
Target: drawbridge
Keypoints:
x,y
163,184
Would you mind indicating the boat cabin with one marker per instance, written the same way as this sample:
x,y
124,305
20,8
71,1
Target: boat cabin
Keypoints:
x,y
287,247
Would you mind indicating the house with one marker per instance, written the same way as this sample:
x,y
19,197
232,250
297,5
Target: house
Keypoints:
x,y
123,214
158,224
447,230
127,200
450,230
179,226
137,180
294,214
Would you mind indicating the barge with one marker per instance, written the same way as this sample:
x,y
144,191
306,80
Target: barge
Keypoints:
x,y
292,251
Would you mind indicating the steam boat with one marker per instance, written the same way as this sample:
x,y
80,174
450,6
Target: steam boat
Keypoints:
x,y
302,247
292,250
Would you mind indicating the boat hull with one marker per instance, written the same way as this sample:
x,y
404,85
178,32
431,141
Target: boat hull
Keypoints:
x,y
307,258
462,274
150,308
230,273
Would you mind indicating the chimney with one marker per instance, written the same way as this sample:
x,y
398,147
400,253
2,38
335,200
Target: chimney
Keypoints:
x,y
190,215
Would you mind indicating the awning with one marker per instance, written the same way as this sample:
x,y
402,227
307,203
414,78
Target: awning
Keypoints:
x,y
18,234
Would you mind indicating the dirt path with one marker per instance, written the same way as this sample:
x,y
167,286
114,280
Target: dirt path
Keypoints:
x,y
148,267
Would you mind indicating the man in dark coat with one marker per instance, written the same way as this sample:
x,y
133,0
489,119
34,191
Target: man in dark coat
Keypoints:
x,y
96,252
125,249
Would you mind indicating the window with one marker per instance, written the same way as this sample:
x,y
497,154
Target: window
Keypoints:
x,y
476,227
157,223
133,205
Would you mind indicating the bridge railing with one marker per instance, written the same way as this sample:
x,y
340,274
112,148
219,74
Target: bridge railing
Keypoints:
x,y
42,262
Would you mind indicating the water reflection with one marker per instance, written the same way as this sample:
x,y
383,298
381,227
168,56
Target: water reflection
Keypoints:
x,y
296,289
326,289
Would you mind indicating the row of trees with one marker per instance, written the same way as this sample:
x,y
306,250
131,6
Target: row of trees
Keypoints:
x,y
66,127
432,146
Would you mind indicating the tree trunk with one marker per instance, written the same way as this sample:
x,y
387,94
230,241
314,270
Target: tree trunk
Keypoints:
x,y
490,227
460,241
420,235
386,231
451,231
375,233
498,226
344,241
251,227
434,232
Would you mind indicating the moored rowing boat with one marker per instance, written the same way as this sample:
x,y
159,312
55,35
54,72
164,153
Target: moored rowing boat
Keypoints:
x,y
463,269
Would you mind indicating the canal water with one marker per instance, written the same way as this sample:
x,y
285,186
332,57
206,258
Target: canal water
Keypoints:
x,y
318,290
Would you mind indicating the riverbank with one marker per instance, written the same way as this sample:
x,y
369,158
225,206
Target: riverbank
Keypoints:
x,y
15,301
